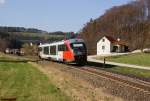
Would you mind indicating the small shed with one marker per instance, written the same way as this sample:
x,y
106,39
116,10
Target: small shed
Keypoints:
x,y
108,45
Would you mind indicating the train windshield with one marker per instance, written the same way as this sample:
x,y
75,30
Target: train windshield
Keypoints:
x,y
78,47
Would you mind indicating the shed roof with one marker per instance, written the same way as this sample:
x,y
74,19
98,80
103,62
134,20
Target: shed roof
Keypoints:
x,y
111,39
115,41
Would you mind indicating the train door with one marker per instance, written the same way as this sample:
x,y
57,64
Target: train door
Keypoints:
x,y
45,52
53,52
57,56
40,52
60,52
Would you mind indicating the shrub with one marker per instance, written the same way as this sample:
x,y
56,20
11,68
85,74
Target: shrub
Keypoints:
x,y
30,49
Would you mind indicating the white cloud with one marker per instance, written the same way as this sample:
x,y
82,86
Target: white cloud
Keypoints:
x,y
2,1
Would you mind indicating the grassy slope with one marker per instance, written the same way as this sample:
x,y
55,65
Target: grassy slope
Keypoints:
x,y
141,59
131,71
141,73
21,80
40,35
37,35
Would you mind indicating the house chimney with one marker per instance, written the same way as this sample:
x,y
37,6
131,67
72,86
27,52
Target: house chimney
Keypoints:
x,y
118,39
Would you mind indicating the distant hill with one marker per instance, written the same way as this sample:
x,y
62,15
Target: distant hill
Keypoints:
x,y
20,29
14,37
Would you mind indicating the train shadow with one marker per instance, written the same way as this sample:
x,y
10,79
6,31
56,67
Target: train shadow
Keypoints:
x,y
100,65
94,64
77,65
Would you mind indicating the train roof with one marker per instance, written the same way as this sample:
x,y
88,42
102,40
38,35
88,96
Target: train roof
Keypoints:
x,y
62,42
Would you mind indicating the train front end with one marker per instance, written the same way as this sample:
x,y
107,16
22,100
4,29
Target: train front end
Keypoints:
x,y
79,50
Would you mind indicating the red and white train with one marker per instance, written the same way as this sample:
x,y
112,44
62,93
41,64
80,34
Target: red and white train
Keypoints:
x,y
68,51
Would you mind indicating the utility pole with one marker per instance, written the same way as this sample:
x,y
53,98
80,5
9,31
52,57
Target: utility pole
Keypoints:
x,y
104,64
146,10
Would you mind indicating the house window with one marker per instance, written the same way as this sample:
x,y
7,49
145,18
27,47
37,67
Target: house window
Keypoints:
x,y
103,40
103,47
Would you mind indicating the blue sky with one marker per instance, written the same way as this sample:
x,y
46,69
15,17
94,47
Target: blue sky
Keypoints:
x,y
53,15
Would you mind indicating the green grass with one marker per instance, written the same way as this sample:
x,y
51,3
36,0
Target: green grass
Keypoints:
x,y
142,59
140,73
131,71
26,83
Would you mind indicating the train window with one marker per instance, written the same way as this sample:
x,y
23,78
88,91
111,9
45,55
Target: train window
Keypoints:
x,y
46,50
53,50
62,47
59,47
78,47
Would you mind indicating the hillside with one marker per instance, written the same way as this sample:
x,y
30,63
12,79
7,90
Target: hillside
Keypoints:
x,y
14,37
130,22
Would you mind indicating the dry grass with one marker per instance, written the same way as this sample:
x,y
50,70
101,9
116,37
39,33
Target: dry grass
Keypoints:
x,y
77,88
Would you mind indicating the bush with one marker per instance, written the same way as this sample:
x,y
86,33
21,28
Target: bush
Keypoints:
x,y
30,49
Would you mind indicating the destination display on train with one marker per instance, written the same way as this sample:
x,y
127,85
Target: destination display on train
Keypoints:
x,y
77,45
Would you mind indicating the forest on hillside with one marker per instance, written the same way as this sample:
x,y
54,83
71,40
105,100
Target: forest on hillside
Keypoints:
x,y
15,37
129,22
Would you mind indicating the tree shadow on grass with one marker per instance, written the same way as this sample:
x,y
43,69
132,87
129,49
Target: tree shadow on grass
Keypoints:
x,y
8,99
18,61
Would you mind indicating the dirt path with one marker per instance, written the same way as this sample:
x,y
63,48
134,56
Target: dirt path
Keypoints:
x,y
73,86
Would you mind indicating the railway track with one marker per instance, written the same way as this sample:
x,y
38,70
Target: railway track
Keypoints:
x,y
128,88
138,84
128,81
142,88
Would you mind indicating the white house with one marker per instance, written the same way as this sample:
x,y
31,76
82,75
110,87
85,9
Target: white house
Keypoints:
x,y
108,45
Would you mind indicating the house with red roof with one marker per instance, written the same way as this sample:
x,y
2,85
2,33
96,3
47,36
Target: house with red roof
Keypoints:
x,y
108,45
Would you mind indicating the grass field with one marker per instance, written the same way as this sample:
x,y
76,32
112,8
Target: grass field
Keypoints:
x,y
22,81
141,59
141,73
131,71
